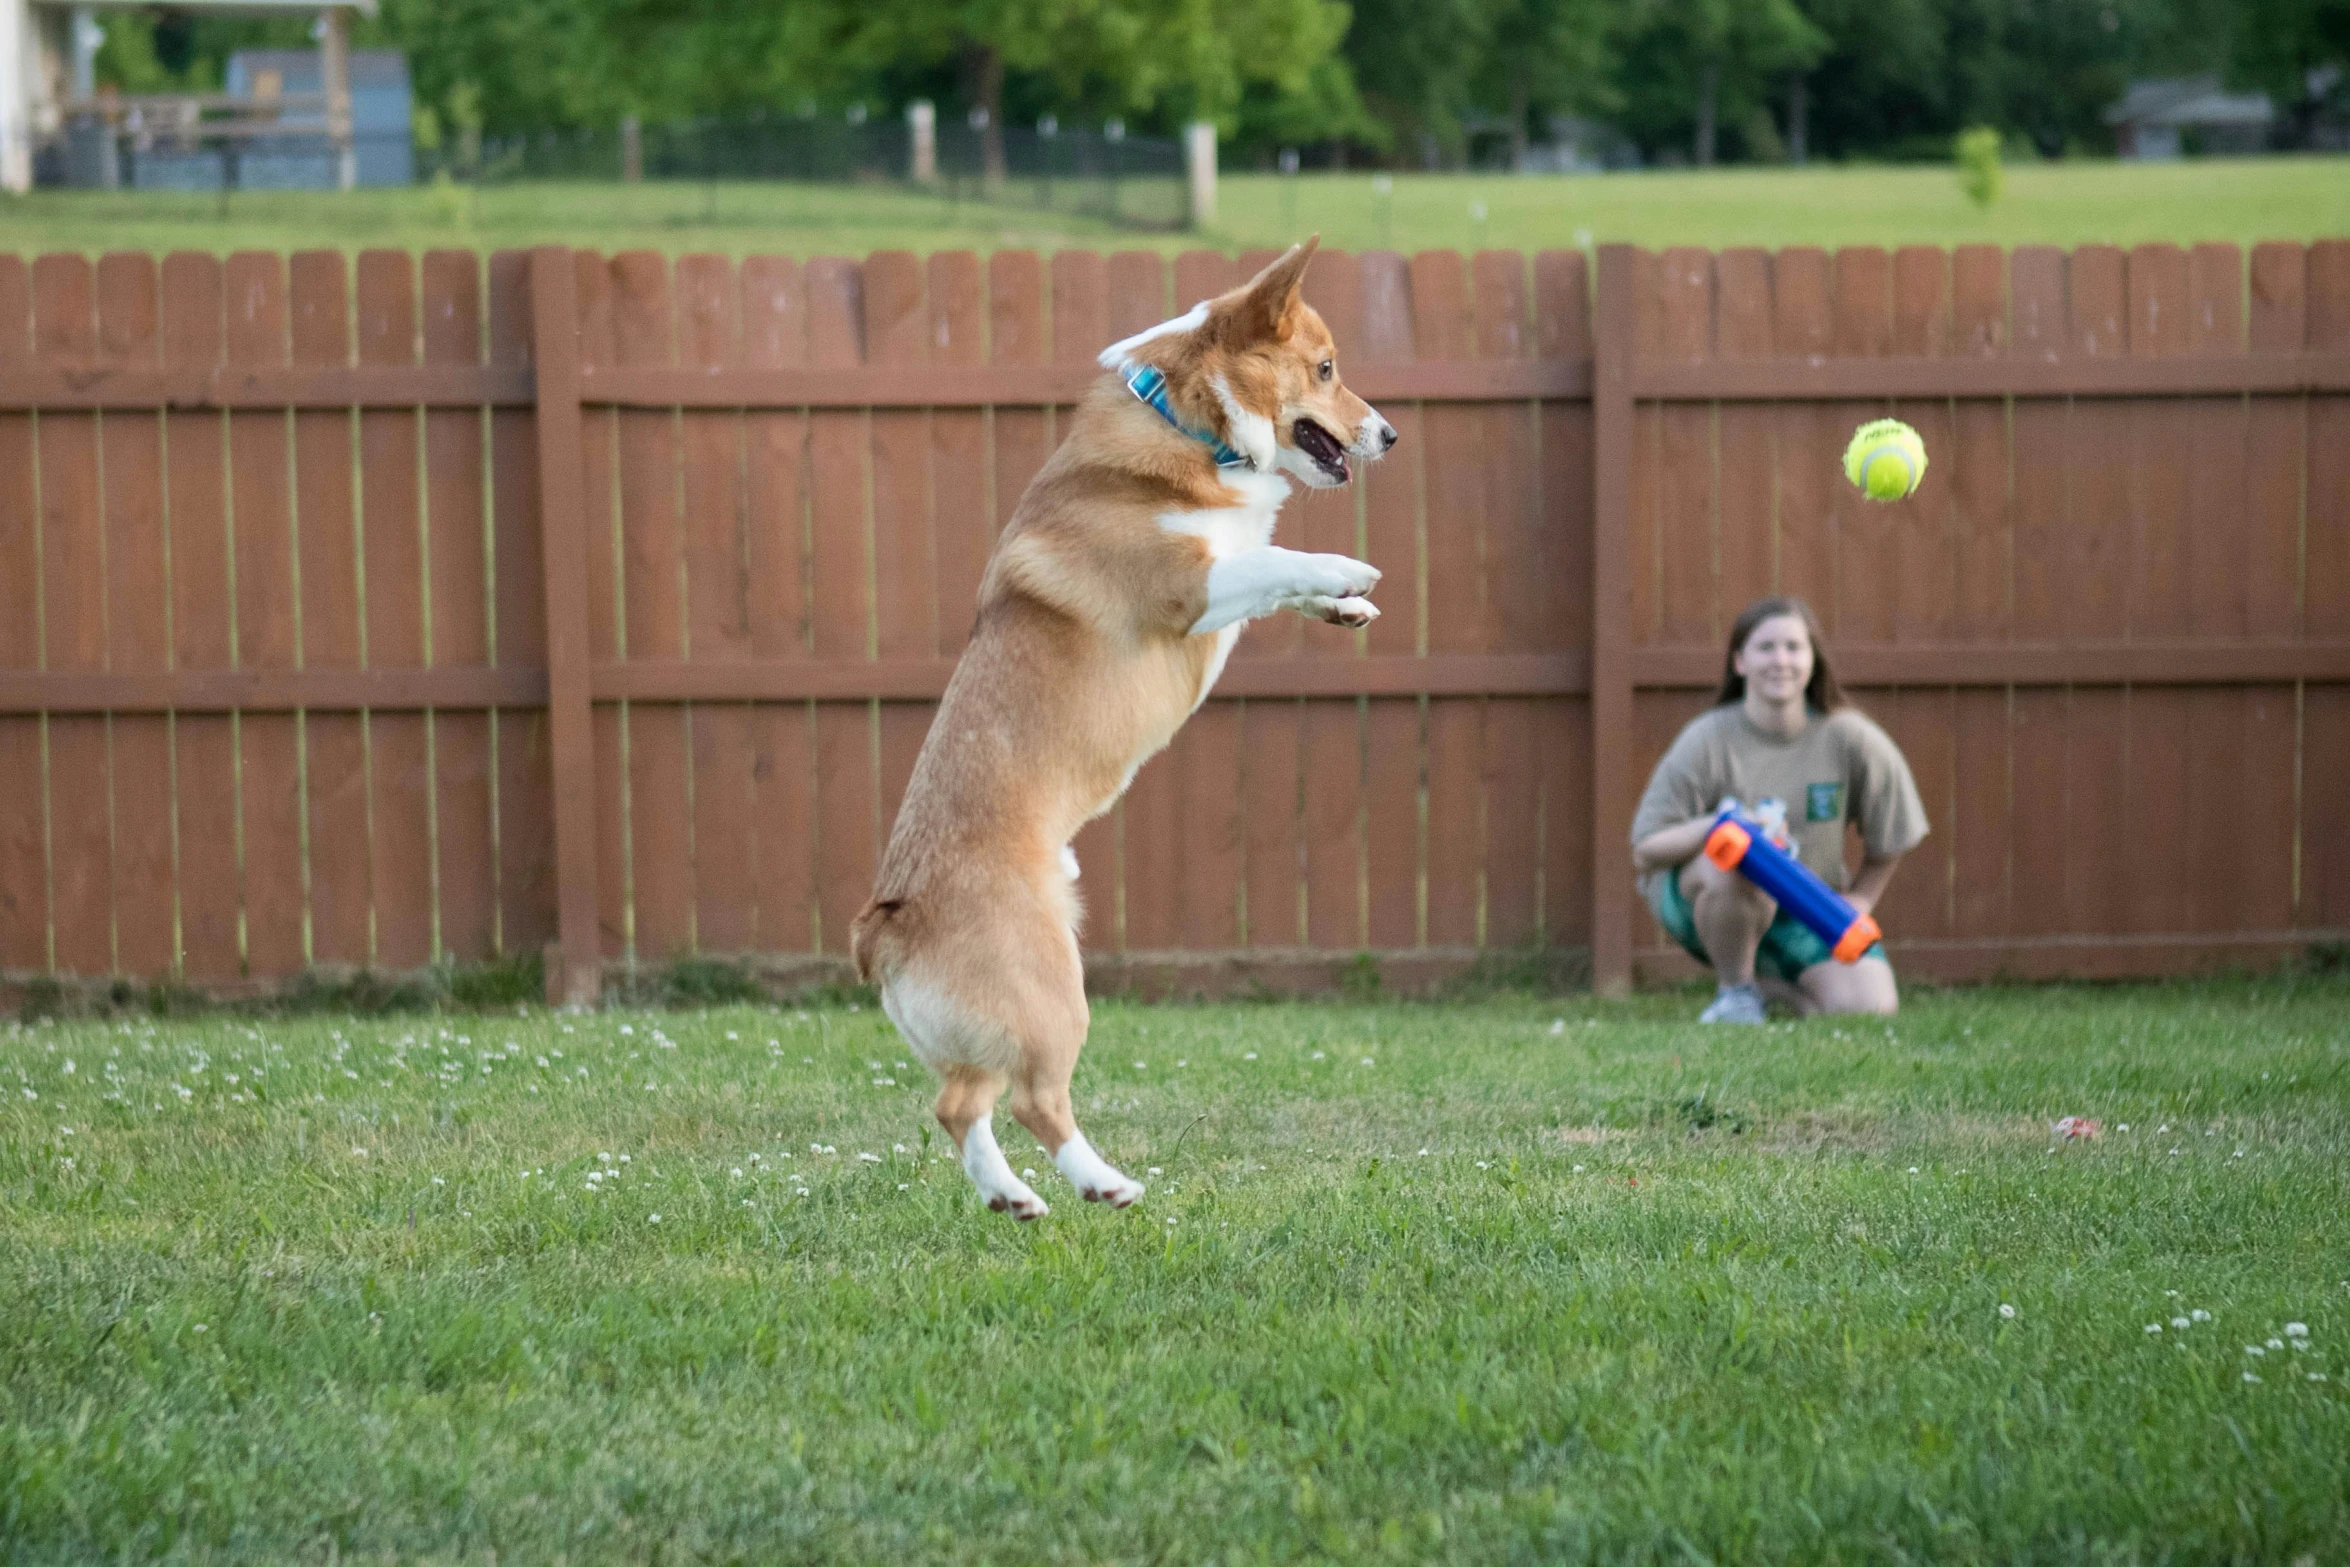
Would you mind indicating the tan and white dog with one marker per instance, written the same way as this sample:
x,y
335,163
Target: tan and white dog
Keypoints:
x,y
1107,611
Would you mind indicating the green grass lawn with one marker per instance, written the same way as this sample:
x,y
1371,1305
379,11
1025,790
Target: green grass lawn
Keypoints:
x,y
2239,201
1515,1279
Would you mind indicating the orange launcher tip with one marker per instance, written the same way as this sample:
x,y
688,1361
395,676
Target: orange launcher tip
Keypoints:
x,y
1861,935
1727,844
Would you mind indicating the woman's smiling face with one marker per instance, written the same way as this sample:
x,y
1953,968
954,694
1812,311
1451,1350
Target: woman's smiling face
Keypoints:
x,y
1777,660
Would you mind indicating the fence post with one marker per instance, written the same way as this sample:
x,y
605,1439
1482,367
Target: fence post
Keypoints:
x,y
1612,800
575,977
922,125
334,72
632,150
1199,168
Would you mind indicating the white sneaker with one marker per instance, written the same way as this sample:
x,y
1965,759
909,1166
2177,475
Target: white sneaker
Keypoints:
x,y
1736,1004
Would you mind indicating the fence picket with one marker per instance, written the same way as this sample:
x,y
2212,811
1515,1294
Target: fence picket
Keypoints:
x,y
458,540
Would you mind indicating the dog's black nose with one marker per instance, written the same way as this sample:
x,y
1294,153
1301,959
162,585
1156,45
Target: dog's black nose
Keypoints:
x,y
1388,439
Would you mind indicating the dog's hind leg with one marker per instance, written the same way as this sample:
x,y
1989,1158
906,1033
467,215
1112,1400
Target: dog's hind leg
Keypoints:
x,y
966,1107
1040,1102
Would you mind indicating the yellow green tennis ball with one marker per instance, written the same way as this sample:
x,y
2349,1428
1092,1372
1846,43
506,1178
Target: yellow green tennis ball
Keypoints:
x,y
1885,460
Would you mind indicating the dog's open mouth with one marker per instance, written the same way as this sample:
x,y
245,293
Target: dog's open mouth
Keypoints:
x,y
1322,447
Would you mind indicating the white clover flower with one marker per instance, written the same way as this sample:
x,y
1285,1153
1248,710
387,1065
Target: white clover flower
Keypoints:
x,y
653,1218
1028,1175
1578,1168
1248,1055
2154,1327
2276,1343
201,1328
2199,1314
2006,1310
1318,1055
1367,1061
736,1172
624,1158
869,1158
2178,1322
2296,1330
2249,1377
2254,1349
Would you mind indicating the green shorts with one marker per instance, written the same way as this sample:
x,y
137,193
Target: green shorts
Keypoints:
x,y
1788,947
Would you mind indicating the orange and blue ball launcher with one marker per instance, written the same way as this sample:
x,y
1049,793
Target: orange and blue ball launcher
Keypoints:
x,y
1738,843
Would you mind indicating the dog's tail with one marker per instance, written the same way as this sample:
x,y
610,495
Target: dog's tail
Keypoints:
x,y
874,937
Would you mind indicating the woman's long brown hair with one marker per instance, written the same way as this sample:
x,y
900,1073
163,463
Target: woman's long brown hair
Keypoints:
x,y
1821,692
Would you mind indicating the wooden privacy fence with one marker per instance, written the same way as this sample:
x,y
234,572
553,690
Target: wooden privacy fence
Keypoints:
x,y
426,611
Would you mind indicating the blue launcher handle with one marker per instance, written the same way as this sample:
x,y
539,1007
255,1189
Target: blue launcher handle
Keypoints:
x,y
1738,843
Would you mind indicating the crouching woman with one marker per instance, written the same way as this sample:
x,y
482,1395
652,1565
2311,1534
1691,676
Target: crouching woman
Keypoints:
x,y
1780,733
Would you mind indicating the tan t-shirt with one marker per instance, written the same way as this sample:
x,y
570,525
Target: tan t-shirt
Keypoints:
x,y
1841,768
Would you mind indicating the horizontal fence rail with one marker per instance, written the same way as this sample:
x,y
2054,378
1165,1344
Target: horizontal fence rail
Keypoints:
x,y
437,609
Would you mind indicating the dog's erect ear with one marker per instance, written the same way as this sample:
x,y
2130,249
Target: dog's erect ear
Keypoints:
x,y
1259,310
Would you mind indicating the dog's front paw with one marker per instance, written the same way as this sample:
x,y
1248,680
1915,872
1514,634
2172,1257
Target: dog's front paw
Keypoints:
x,y
1341,576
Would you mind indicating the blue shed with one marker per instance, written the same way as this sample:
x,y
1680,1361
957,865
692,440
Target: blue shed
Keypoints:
x,y
302,161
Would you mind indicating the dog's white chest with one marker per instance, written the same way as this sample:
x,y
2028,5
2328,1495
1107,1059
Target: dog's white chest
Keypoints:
x,y
1228,530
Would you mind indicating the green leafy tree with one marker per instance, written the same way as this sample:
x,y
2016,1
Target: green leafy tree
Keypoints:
x,y
2299,51
1692,64
1417,62
1554,55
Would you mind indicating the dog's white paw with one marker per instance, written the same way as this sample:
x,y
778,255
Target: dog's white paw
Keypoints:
x,y
1020,1203
1096,1179
1355,612
1120,1192
1341,576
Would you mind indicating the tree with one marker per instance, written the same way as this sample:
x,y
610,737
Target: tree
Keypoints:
x,y
1172,59
2299,50
1552,54
1416,62
1700,57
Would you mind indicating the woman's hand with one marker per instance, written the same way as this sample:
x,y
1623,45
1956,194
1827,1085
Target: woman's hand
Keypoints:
x,y
1668,847
1869,885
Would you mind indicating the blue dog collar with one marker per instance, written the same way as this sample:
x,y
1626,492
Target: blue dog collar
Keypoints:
x,y
1149,384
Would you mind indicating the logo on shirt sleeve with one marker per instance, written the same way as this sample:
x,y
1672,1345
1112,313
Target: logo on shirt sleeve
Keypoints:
x,y
1823,802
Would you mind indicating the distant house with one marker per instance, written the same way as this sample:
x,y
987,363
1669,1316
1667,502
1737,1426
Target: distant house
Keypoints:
x,y
380,134
59,127
2157,121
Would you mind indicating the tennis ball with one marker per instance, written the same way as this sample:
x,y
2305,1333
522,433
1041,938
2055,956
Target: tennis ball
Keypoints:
x,y
1885,460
